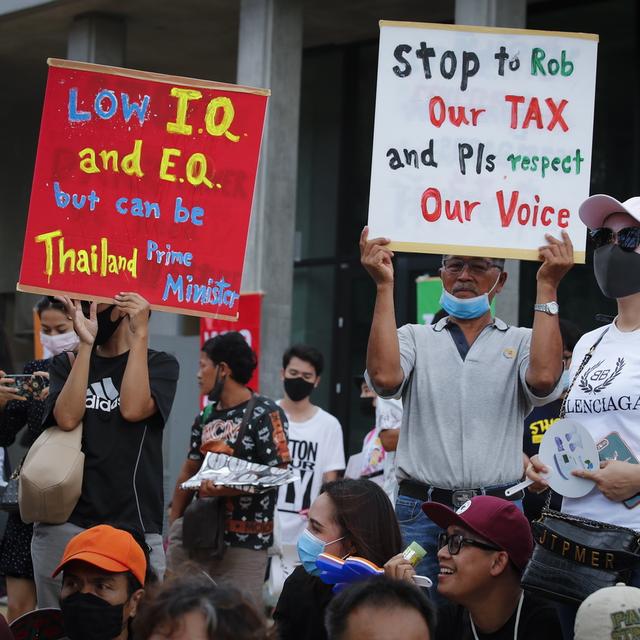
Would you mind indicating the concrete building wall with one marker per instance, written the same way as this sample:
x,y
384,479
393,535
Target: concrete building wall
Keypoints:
x,y
270,55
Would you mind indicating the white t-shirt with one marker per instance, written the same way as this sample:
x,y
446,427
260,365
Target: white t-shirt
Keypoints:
x,y
605,399
316,447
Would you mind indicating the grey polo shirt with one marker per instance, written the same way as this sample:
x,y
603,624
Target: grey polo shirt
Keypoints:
x,y
463,419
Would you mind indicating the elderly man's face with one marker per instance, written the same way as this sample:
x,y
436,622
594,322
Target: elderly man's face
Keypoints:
x,y
467,277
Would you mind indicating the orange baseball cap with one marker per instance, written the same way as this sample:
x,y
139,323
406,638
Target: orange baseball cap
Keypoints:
x,y
107,548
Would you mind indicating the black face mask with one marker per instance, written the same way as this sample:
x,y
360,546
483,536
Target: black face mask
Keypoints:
x,y
367,407
617,271
88,617
106,326
216,392
298,388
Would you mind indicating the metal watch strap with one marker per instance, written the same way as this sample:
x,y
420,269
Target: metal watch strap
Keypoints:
x,y
552,307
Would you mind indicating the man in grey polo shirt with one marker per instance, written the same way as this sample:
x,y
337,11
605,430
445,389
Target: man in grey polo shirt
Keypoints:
x,y
466,382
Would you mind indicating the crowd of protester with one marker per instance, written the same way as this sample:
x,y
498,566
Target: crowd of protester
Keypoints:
x,y
457,411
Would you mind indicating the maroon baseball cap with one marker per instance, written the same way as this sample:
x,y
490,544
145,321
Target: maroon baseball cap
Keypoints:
x,y
494,519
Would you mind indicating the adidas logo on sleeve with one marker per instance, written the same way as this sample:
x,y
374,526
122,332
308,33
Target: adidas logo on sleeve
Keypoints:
x,y
103,396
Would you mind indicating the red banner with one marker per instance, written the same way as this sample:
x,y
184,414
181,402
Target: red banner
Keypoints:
x,y
143,182
248,325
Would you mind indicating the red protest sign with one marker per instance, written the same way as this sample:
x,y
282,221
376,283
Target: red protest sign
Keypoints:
x,y
248,325
143,182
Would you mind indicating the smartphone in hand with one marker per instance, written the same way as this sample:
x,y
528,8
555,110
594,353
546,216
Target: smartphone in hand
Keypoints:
x,y
29,385
613,447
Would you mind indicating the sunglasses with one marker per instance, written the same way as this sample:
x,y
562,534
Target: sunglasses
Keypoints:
x,y
455,542
628,238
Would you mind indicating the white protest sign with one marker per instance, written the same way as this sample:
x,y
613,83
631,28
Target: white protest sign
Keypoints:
x,y
482,138
567,446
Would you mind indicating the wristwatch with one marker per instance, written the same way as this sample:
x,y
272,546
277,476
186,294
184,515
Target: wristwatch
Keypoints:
x,y
550,308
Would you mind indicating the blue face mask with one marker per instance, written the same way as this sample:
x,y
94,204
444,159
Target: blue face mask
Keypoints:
x,y
565,379
309,548
466,308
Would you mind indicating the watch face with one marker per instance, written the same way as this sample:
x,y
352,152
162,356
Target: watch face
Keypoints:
x,y
553,307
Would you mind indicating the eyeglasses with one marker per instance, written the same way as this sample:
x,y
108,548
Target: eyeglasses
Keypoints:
x,y
475,266
455,542
628,238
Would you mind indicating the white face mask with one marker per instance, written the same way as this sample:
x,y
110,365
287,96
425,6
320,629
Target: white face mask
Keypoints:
x,y
53,345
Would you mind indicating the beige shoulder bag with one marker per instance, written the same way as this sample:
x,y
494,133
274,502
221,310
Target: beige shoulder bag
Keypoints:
x,y
51,476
